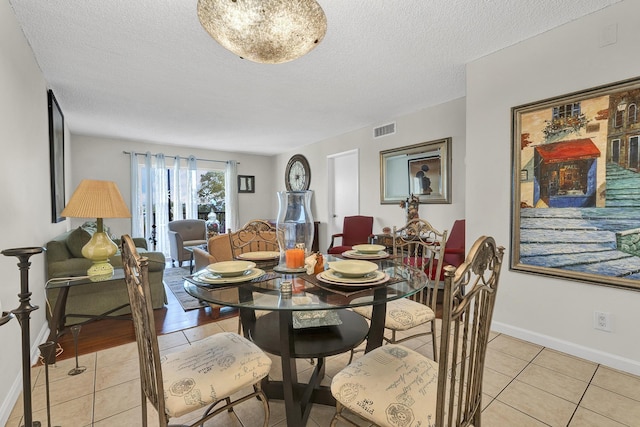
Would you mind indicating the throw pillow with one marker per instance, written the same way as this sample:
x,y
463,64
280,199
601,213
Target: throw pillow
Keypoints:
x,y
76,240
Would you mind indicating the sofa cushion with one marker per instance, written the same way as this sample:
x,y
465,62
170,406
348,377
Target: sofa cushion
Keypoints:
x,y
76,241
68,268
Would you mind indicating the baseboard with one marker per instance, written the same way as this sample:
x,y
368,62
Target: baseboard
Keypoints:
x,y
16,387
597,356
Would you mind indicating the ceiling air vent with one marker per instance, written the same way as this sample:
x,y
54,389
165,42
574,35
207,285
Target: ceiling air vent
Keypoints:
x,y
384,130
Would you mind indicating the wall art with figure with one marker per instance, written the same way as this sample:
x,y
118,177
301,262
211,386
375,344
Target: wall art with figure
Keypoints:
x,y
424,176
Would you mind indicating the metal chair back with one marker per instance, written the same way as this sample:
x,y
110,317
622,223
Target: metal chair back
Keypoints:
x,y
420,245
469,300
137,280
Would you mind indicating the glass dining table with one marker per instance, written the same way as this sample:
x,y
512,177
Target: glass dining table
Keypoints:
x,y
306,317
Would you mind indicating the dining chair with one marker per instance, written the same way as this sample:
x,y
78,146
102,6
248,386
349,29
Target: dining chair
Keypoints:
x,y
418,245
395,386
454,250
205,374
356,230
256,235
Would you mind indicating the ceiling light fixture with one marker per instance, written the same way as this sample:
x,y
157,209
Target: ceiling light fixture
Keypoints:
x,y
264,31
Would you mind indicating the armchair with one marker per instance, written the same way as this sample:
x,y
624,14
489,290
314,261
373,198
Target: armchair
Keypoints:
x,y
183,233
453,250
356,230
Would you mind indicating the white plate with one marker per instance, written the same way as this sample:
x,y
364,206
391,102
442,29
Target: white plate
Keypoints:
x,y
205,276
231,268
351,268
379,278
334,277
259,255
368,249
357,255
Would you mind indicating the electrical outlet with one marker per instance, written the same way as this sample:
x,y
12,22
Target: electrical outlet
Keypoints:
x,y
602,321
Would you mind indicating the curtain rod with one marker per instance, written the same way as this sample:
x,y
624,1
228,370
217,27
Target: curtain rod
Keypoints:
x,y
179,157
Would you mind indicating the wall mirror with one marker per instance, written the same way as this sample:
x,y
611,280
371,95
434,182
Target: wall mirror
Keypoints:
x,y
422,169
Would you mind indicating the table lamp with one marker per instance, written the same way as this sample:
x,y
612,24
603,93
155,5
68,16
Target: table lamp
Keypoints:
x,y
97,199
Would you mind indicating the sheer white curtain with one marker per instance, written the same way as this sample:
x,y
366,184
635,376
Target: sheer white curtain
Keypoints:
x,y
150,201
160,188
231,195
150,195
176,193
192,187
137,212
184,187
147,175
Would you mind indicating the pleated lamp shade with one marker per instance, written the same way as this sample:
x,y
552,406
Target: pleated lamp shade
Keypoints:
x,y
96,199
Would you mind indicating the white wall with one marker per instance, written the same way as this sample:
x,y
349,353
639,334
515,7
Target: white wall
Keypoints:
x,y
445,120
556,313
25,214
103,158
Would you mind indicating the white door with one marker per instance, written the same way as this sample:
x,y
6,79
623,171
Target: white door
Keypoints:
x,y
343,173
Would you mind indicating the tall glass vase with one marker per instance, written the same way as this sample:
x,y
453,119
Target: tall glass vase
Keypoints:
x,y
294,228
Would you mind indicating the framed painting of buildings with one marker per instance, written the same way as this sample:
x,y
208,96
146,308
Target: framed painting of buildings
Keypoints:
x,y
576,186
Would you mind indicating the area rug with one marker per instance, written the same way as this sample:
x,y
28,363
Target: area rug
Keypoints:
x,y
173,279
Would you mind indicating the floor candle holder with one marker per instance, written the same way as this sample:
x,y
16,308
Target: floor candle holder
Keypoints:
x,y
23,314
75,330
48,354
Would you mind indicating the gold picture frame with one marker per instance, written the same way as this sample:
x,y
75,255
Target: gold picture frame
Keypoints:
x,y
421,169
576,186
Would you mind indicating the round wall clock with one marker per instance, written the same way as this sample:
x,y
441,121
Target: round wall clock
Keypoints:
x,y
297,175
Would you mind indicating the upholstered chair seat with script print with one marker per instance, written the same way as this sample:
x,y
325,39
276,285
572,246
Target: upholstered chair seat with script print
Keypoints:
x,y
390,386
210,369
402,314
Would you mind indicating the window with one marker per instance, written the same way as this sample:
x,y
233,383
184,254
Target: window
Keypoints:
x,y
618,119
632,113
566,110
168,190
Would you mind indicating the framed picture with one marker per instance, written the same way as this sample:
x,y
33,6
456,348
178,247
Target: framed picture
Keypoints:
x,y
425,176
576,186
246,184
423,170
56,157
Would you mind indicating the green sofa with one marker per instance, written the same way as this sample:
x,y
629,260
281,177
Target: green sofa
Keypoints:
x,y
64,259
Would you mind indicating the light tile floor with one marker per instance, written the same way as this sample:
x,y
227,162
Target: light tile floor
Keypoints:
x,y
524,385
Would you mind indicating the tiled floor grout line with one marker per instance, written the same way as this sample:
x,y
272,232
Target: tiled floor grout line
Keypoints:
x,y
584,393
512,380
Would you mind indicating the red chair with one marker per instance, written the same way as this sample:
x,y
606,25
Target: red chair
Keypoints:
x,y
454,248
356,230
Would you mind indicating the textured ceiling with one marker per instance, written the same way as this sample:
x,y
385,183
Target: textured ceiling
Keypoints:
x,y
146,70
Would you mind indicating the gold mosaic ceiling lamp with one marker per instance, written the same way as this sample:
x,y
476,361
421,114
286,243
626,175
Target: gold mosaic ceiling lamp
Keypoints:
x,y
264,31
